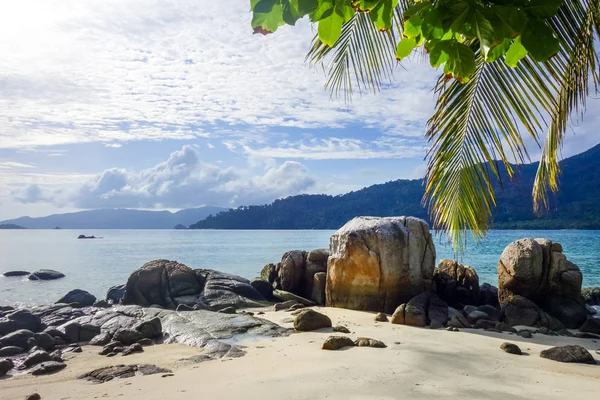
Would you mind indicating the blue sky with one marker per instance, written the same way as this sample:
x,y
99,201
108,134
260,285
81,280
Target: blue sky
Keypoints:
x,y
174,103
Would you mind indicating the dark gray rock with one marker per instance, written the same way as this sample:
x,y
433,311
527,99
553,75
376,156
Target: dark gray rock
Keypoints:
x,y
571,312
115,294
45,275
128,336
485,324
337,342
511,348
286,305
102,339
9,351
476,315
568,354
263,287
591,325
522,311
502,327
36,358
488,294
18,338
287,296
134,348
73,348
525,334
72,331
146,342
34,396
228,310
459,321
45,341
59,314
88,332
11,274
106,374
47,367
150,329
55,332
78,298
56,355
5,366
310,320
20,319
101,304
494,314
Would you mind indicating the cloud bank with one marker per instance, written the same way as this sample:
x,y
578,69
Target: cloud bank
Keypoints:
x,y
182,181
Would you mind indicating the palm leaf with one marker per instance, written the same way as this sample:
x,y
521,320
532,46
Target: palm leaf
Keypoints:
x,y
363,58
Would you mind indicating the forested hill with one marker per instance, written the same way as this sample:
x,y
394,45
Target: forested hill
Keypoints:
x,y
576,206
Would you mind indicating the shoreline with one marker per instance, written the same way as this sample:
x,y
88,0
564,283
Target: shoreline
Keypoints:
x,y
417,363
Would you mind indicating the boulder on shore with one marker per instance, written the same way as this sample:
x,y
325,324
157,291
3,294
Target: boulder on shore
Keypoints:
x,y
375,264
538,270
20,319
426,309
568,354
310,320
78,298
170,284
45,275
115,294
522,311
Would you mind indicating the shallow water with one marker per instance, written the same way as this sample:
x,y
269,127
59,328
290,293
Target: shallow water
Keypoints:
x,y
95,265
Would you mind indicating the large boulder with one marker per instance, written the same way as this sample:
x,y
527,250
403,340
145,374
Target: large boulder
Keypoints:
x,y
375,264
538,270
318,289
591,325
20,319
170,284
160,282
78,298
45,275
17,339
456,284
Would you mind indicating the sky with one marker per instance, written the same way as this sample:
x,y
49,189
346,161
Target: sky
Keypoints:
x,y
170,104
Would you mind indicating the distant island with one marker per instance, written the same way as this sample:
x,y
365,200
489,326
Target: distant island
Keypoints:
x,y
575,206
116,219
11,226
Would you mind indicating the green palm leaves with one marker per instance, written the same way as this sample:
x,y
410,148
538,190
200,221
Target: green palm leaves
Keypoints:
x,y
520,67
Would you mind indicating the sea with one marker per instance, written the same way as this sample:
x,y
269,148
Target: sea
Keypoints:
x,y
96,265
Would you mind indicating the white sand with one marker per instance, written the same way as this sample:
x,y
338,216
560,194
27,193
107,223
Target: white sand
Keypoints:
x,y
418,364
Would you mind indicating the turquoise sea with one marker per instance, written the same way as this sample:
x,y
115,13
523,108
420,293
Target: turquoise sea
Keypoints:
x,y
95,265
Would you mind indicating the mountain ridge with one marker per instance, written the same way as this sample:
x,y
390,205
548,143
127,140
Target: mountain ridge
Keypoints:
x,y
116,219
575,206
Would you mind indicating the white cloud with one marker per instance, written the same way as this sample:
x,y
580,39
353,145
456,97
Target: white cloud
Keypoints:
x,y
180,182
114,71
113,145
14,165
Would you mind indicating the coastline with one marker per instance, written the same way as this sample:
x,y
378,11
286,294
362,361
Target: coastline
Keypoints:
x,y
418,363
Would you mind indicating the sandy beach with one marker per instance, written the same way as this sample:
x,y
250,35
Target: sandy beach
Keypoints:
x,y
418,363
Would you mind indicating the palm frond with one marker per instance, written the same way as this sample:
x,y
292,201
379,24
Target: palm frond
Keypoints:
x,y
577,35
363,58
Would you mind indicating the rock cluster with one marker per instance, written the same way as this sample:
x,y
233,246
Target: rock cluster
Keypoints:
x,y
537,269
299,272
376,264
170,284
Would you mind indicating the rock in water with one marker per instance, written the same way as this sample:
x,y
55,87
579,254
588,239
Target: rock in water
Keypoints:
x,y
11,274
310,320
45,275
115,294
375,264
78,298
337,342
538,270
511,348
568,354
